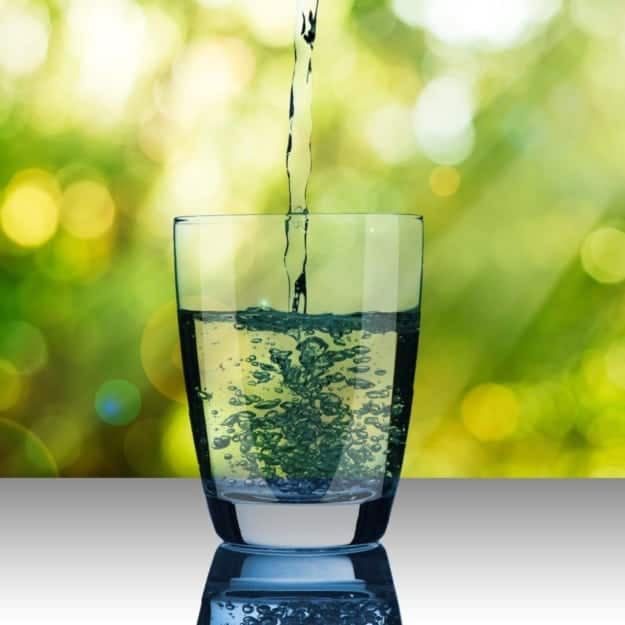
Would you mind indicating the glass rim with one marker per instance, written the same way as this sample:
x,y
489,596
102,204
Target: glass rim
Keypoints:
x,y
190,219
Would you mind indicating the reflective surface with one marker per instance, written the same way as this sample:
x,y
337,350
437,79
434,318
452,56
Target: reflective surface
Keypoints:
x,y
260,588
133,552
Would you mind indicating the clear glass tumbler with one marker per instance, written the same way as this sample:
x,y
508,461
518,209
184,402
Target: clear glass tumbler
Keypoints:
x,y
299,419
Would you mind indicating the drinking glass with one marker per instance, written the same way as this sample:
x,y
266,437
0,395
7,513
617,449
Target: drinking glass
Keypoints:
x,y
299,418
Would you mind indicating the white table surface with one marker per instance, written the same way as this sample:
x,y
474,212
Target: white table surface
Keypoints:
x,y
138,551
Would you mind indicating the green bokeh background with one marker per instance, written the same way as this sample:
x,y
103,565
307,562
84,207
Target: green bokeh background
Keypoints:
x,y
501,123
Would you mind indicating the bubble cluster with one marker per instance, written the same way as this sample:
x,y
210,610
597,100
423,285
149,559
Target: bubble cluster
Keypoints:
x,y
346,609
310,407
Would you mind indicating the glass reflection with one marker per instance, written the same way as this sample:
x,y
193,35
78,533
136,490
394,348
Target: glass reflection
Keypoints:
x,y
245,587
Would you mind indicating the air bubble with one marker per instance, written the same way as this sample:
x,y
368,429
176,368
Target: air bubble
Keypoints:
x,y
311,349
268,404
360,383
377,394
336,378
262,376
221,442
237,417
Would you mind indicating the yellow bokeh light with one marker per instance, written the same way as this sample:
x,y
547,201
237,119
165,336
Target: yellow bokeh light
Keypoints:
x,y
30,211
158,343
615,364
10,385
603,255
446,451
607,463
178,448
63,437
599,386
445,181
23,453
491,412
176,357
88,210
607,428
63,261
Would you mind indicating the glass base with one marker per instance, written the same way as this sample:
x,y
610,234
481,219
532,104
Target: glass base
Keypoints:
x,y
282,526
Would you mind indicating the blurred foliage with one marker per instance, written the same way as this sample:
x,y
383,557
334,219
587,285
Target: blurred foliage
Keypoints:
x,y
501,122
